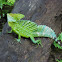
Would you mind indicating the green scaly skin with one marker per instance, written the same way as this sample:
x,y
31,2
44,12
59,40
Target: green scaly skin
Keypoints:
x,y
28,29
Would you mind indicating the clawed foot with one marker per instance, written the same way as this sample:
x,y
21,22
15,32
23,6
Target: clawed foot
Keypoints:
x,y
39,43
18,40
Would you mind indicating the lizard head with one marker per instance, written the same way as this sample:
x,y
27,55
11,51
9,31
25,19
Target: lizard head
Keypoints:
x,y
12,18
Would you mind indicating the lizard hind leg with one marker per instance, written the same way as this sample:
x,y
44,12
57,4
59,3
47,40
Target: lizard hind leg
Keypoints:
x,y
37,41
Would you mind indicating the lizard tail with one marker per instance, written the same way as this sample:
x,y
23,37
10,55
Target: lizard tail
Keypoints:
x,y
45,31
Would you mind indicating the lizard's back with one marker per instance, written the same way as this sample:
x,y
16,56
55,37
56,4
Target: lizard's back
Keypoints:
x,y
24,27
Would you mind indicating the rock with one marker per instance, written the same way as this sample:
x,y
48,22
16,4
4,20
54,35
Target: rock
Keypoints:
x,y
7,53
5,29
32,9
9,47
27,52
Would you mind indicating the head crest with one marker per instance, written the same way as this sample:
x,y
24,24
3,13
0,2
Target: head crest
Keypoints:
x,y
14,17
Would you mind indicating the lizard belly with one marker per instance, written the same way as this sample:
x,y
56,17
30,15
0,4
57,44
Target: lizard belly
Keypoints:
x,y
22,32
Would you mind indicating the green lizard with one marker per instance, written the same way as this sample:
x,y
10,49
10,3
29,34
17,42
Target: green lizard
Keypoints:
x,y
28,29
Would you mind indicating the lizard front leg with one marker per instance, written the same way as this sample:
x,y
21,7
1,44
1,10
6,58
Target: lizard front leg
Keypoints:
x,y
10,31
37,41
19,38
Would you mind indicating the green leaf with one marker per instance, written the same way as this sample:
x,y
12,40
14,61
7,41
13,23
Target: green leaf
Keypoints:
x,y
11,1
59,38
6,2
59,60
14,17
